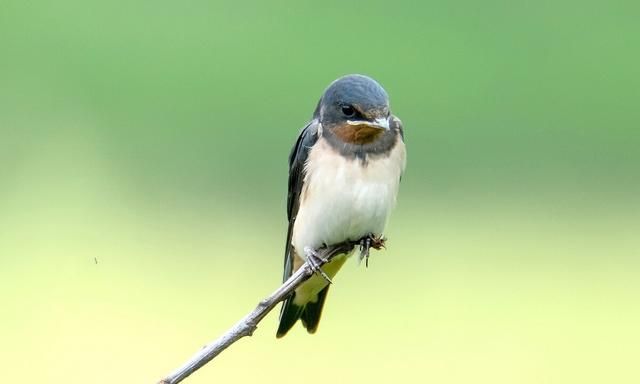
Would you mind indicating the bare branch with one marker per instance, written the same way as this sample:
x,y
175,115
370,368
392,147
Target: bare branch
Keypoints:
x,y
249,323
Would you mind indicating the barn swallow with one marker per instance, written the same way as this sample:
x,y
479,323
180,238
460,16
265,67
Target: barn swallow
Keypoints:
x,y
344,173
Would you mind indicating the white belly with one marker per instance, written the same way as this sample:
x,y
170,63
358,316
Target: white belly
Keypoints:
x,y
343,199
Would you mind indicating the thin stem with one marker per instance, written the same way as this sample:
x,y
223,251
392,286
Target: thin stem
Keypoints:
x,y
247,325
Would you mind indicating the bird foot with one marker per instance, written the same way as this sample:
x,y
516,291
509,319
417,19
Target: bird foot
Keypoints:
x,y
314,259
370,241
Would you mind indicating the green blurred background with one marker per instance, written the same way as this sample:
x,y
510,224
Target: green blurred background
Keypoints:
x,y
143,177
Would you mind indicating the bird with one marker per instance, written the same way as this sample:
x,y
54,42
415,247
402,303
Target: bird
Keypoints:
x,y
344,173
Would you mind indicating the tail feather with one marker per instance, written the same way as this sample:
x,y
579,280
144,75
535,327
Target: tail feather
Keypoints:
x,y
308,313
289,315
310,316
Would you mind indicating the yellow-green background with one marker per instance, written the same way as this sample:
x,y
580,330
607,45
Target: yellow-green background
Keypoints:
x,y
143,174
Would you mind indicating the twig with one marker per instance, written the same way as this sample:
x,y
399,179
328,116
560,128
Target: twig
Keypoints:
x,y
249,323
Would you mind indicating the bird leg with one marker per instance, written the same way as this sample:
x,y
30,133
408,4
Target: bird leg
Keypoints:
x,y
314,259
370,241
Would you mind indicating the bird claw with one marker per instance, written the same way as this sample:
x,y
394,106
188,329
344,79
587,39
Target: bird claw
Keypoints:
x,y
314,259
370,241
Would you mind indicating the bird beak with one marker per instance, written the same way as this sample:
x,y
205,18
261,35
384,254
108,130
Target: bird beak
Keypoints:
x,y
380,123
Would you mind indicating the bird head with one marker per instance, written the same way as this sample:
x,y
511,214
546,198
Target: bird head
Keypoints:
x,y
354,108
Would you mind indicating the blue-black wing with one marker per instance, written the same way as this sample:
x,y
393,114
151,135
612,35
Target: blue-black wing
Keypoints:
x,y
297,159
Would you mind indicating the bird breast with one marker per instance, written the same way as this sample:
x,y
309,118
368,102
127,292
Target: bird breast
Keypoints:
x,y
345,198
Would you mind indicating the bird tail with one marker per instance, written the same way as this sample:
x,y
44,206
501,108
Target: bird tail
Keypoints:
x,y
308,313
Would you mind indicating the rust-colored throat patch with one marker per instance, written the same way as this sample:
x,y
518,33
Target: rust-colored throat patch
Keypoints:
x,y
357,134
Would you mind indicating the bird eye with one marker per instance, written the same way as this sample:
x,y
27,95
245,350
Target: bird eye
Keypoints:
x,y
348,110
